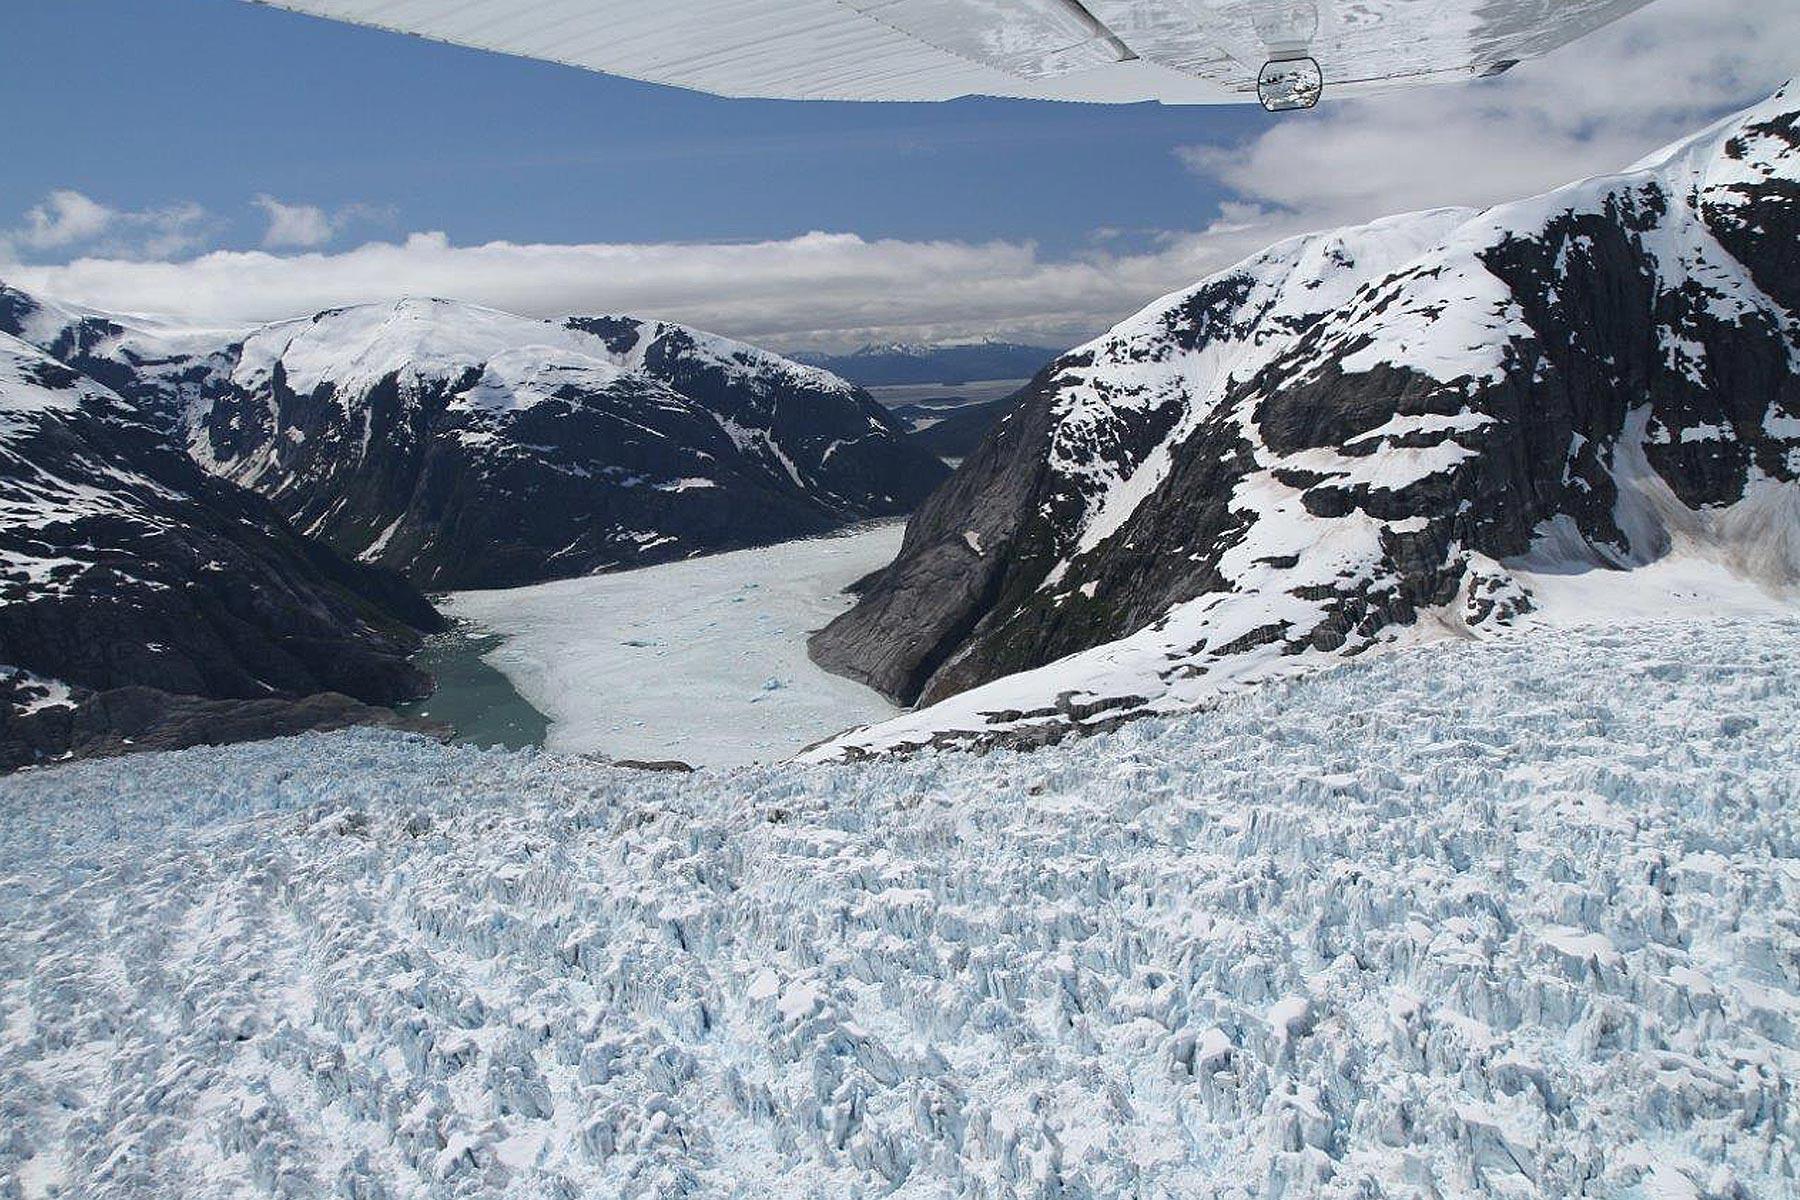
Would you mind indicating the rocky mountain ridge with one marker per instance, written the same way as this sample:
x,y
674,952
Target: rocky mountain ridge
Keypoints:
x,y
1363,436
132,582
466,447
203,531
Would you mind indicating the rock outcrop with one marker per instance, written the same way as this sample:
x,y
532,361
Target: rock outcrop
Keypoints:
x,y
130,720
124,566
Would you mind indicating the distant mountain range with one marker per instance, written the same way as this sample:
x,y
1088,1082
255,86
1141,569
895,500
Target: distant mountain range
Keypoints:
x,y
895,363
1390,432
228,515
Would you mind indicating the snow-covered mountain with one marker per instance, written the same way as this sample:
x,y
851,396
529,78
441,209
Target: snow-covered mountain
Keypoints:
x,y
1363,436
132,584
889,363
466,447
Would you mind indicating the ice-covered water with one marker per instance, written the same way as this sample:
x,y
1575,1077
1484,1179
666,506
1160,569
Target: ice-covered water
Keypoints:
x,y
703,661
1517,918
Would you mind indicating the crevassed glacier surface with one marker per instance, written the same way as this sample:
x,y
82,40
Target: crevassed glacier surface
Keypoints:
x,y
1512,918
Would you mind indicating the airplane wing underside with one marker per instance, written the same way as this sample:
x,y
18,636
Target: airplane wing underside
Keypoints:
x,y
1115,51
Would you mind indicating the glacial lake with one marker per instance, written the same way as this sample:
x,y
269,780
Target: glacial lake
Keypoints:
x,y
474,699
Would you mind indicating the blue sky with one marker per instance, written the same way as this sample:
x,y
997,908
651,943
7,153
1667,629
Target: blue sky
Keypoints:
x,y
148,102
223,162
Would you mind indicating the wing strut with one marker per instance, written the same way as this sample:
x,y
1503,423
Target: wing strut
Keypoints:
x,y
1099,29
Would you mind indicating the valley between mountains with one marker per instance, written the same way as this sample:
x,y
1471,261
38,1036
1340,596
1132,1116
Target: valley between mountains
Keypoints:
x,y
1332,736
360,458
1437,425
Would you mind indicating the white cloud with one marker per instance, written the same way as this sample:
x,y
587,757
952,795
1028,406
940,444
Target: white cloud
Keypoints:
x,y
163,233
307,226
65,217
304,225
1597,105
819,289
66,220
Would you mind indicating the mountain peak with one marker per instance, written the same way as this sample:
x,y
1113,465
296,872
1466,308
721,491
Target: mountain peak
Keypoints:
x,y
1404,430
466,446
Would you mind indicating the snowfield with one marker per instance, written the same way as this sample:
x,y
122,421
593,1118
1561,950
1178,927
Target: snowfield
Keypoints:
x,y
703,661
1508,918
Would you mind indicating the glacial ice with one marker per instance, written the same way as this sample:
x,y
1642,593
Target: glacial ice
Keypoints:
x,y
1509,918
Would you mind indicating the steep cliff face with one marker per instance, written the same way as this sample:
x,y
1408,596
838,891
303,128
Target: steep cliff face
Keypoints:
x,y
123,565
465,447
1360,431
468,448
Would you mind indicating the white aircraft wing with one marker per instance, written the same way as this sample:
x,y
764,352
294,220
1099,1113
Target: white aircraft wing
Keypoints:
x,y
1175,51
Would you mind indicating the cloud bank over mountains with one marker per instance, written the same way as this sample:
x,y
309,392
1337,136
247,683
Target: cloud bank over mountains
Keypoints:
x,y
1593,106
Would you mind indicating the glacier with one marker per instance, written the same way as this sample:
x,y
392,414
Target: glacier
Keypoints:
x,y
1514,917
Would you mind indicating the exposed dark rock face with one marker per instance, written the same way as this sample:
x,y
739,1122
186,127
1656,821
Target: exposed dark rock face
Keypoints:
x,y
959,434
1357,431
136,719
123,565
464,447
667,765
183,507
